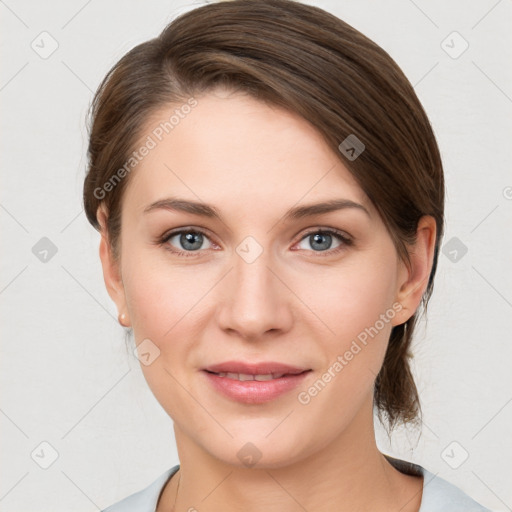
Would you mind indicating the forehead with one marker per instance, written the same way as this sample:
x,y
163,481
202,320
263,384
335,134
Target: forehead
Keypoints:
x,y
235,151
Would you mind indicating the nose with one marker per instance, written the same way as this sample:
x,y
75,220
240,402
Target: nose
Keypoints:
x,y
256,302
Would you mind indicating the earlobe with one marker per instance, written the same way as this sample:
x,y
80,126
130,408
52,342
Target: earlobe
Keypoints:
x,y
413,278
111,270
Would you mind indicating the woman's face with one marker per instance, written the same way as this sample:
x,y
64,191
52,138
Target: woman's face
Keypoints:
x,y
255,284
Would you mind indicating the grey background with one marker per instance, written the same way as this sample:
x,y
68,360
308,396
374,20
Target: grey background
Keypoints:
x,y
66,377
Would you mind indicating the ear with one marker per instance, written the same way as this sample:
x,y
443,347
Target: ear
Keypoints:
x,y
111,268
413,278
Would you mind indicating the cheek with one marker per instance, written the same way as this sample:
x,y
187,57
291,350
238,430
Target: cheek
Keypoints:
x,y
354,307
161,305
160,297
351,299
168,305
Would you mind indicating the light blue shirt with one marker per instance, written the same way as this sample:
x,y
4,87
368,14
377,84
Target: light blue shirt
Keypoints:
x,y
438,494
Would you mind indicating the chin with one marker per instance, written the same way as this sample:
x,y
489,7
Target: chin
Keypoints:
x,y
254,450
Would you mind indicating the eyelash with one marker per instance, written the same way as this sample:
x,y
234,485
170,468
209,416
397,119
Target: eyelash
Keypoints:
x,y
343,238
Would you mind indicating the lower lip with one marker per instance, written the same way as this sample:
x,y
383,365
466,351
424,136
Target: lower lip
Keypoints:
x,y
255,391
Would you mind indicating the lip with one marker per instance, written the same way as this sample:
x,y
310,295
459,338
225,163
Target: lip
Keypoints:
x,y
261,368
254,391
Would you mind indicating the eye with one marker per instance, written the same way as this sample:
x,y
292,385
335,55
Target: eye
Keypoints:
x,y
187,241
321,241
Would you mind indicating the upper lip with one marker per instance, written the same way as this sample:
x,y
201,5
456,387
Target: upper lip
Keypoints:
x,y
262,368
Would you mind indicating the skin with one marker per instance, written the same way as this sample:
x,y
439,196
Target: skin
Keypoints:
x,y
296,303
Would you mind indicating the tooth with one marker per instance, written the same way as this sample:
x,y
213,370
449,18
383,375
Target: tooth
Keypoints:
x,y
267,376
245,376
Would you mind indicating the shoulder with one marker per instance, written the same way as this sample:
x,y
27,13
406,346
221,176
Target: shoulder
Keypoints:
x,y
146,499
439,495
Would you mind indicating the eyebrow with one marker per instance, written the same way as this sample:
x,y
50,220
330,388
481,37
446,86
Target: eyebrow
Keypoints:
x,y
298,212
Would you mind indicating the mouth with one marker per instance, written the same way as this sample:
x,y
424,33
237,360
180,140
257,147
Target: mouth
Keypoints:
x,y
254,388
242,377
262,369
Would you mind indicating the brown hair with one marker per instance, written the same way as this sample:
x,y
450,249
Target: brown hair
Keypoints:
x,y
312,63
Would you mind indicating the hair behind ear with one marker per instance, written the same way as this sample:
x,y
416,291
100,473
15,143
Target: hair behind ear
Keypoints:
x,y
395,393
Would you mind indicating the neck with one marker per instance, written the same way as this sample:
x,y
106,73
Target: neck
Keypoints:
x,y
348,474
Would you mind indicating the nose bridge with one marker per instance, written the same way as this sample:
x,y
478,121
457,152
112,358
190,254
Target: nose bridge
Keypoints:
x,y
253,279
256,300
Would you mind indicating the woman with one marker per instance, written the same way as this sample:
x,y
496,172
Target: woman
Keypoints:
x,y
270,198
